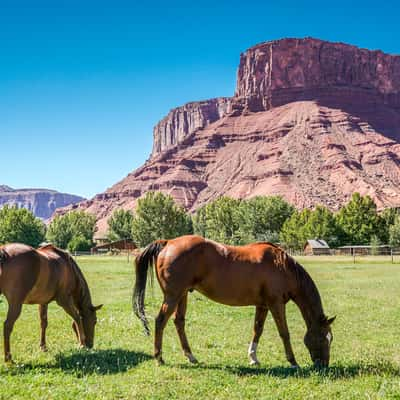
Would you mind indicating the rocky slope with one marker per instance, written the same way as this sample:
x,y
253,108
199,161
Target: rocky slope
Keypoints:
x,y
42,202
310,120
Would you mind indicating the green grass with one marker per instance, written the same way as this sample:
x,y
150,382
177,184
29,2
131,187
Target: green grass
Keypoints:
x,y
365,358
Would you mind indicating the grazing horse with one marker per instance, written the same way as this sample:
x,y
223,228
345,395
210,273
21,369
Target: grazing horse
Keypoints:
x,y
29,276
259,274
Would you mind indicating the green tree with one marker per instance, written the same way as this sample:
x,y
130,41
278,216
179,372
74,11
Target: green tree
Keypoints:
x,y
20,225
387,218
394,233
293,234
79,243
261,218
220,220
200,222
359,220
158,217
375,243
65,228
120,225
321,224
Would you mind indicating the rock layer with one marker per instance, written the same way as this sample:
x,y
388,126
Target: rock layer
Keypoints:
x,y
186,120
42,202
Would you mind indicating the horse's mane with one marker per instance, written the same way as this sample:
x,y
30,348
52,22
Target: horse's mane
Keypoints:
x,y
306,284
85,299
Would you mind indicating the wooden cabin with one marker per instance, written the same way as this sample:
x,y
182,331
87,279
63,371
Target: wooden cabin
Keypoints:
x,y
316,247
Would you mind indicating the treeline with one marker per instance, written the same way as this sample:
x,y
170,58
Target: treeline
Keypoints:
x,y
225,220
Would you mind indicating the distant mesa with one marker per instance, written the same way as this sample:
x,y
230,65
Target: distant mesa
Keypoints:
x,y
310,120
42,202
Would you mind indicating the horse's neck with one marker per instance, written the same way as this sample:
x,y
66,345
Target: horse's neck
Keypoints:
x,y
82,295
309,302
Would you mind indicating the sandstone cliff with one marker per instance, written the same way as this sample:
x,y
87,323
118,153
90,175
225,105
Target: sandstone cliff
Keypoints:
x,y
310,120
185,120
42,202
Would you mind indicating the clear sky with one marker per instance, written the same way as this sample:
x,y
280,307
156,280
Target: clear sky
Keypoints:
x,y
82,83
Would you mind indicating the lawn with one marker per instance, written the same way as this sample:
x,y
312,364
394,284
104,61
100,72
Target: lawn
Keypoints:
x,y
365,357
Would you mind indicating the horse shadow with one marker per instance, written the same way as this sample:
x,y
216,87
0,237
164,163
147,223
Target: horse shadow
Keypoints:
x,y
100,362
334,372
88,362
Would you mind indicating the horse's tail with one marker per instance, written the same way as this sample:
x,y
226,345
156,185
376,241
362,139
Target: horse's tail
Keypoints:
x,y
143,261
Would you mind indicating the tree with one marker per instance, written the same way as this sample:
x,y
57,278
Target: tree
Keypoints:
x,y
321,224
394,233
79,243
158,217
219,220
120,225
375,243
359,220
293,234
262,217
20,225
69,227
387,218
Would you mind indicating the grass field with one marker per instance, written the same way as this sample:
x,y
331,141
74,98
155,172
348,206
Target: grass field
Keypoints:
x,y
365,357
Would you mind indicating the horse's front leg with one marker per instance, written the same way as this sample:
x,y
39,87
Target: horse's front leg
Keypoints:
x,y
43,325
279,313
166,310
77,325
14,311
180,328
259,320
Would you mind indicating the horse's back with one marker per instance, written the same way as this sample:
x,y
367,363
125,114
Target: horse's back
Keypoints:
x,y
19,271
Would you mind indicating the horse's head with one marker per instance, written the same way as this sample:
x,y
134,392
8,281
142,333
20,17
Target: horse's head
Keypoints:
x,y
318,340
89,320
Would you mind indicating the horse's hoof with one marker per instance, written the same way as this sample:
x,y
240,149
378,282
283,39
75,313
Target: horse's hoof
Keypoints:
x,y
9,361
192,359
160,361
254,363
295,366
44,349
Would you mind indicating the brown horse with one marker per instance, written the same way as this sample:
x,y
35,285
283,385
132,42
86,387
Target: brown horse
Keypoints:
x,y
29,276
259,274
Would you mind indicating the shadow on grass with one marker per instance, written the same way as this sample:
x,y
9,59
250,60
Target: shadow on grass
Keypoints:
x,y
335,372
88,362
101,362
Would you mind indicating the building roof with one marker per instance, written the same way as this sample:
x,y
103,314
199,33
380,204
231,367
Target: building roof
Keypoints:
x,y
318,244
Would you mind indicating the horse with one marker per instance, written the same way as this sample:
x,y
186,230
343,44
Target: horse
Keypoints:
x,y
39,276
259,274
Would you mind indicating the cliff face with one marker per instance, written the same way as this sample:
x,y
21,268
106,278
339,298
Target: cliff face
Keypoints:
x,y
278,72
310,120
184,121
42,202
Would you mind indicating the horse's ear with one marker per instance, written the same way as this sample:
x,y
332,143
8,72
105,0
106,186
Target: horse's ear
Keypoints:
x,y
330,320
96,308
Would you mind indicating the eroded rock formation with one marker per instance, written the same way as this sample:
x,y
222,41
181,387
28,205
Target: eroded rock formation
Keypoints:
x,y
42,202
310,120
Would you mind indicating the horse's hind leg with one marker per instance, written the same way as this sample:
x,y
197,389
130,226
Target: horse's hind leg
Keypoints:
x,y
14,310
279,313
166,310
43,325
259,320
180,328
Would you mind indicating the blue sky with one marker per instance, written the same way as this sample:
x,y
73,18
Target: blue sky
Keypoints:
x,y
82,83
